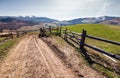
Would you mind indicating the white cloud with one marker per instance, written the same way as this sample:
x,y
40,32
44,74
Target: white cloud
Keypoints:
x,y
69,9
60,9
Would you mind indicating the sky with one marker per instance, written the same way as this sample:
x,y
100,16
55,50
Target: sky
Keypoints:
x,y
60,9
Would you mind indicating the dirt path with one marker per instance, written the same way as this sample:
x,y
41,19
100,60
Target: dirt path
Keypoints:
x,y
32,58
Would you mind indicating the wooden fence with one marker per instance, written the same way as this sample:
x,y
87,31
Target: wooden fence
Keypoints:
x,y
11,35
79,39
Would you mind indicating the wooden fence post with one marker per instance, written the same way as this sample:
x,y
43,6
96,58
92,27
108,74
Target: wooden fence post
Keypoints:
x,y
11,34
60,30
41,32
57,29
17,34
83,35
65,34
50,30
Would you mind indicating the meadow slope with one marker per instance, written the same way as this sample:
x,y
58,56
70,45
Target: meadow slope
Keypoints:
x,y
102,31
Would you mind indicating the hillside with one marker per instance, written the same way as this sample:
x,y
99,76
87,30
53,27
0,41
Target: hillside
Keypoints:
x,y
37,19
91,20
13,23
102,31
10,22
115,21
33,18
99,30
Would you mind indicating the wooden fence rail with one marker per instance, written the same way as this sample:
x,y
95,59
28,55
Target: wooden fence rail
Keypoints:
x,y
79,39
104,40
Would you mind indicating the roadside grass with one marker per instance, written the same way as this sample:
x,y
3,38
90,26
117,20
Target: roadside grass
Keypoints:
x,y
33,33
2,38
102,64
104,71
5,47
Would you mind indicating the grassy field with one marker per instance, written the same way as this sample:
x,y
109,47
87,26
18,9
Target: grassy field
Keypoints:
x,y
102,31
2,38
99,30
4,47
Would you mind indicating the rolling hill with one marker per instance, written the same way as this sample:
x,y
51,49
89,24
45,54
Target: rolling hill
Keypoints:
x,y
115,21
13,23
92,20
10,22
100,30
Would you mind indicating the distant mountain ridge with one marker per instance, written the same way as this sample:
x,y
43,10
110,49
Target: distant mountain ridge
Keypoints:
x,y
38,19
91,20
11,22
33,18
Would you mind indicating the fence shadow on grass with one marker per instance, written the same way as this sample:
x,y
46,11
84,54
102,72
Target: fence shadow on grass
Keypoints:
x,y
73,38
83,52
88,58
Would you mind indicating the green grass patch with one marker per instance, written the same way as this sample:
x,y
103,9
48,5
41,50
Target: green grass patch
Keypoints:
x,y
99,30
5,47
105,65
2,38
109,74
102,31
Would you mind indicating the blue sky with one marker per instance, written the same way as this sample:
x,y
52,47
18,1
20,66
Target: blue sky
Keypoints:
x,y
60,9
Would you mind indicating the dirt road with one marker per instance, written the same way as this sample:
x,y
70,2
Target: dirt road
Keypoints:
x,y
32,58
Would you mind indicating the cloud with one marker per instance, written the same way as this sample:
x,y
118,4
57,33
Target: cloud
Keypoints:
x,y
60,9
111,7
69,9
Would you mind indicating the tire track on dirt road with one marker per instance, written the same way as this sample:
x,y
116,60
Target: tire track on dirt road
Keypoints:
x,y
14,61
32,58
55,63
34,66
52,75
